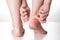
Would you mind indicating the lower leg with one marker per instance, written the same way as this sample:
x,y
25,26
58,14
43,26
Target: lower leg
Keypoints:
x,y
14,6
36,4
34,23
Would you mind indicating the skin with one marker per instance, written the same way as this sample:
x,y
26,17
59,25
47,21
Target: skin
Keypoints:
x,y
44,11
25,11
14,7
40,11
19,9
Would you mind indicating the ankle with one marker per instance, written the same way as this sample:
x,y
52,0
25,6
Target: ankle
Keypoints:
x,y
33,17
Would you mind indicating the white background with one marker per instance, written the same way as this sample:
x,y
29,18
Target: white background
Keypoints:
x,y
52,25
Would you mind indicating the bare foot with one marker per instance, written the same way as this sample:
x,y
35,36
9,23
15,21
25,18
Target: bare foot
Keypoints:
x,y
18,32
35,23
36,26
25,11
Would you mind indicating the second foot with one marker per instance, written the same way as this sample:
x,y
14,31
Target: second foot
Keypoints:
x,y
36,26
18,33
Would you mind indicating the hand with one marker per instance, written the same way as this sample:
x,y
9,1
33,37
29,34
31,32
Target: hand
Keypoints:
x,y
44,12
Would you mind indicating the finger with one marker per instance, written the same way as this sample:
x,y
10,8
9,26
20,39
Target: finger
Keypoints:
x,y
25,20
43,15
28,12
28,8
24,14
43,11
25,17
43,21
24,10
42,18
